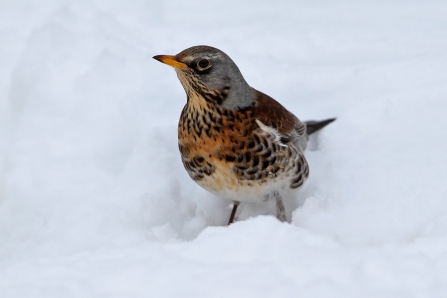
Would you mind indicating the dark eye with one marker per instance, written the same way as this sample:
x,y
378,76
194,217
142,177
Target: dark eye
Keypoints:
x,y
203,64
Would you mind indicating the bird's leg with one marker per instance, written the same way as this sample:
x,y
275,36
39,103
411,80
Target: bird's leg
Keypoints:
x,y
233,213
280,210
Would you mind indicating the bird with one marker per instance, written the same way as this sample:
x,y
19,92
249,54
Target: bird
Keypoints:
x,y
235,141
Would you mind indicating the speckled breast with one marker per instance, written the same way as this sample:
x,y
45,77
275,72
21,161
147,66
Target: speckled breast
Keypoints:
x,y
227,154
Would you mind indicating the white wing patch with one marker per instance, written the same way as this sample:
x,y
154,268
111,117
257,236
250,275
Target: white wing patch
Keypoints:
x,y
271,131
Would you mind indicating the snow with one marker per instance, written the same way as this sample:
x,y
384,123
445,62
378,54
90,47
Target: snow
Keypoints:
x,y
94,200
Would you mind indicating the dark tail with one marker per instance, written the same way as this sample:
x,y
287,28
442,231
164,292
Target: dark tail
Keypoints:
x,y
313,126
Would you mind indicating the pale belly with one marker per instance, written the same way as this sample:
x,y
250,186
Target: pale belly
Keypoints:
x,y
225,184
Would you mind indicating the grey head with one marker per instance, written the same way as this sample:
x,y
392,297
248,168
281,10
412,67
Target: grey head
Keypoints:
x,y
211,74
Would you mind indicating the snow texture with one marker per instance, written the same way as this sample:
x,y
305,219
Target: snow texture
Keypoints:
x,y
94,200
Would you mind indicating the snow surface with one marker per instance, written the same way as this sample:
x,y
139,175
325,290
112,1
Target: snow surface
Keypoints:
x,y
94,201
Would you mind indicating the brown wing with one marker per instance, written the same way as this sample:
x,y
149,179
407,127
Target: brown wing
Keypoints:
x,y
273,114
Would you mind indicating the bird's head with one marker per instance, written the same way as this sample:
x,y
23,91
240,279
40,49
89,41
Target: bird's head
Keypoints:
x,y
209,74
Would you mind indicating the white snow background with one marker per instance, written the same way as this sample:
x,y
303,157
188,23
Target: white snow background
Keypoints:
x,y
94,200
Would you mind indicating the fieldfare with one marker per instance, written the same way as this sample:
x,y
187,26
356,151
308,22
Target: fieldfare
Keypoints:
x,y
235,141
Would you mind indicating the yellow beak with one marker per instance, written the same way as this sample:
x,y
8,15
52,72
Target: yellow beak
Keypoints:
x,y
170,60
